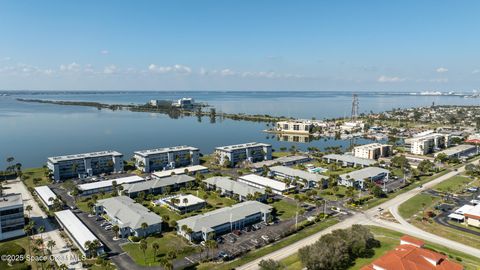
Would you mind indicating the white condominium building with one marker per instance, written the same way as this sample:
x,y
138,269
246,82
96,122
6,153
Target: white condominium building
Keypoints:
x,y
82,165
427,144
298,126
11,216
166,158
372,151
252,152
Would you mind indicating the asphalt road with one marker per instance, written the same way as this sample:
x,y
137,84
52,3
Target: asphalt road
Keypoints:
x,y
370,217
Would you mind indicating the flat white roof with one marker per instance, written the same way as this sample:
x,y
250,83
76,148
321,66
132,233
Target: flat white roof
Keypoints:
x,y
456,216
463,209
266,182
77,229
45,193
191,200
148,152
191,169
84,155
241,146
107,183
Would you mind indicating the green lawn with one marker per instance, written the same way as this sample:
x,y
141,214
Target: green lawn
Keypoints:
x,y
23,242
285,209
415,205
389,240
271,248
82,202
35,173
167,242
454,184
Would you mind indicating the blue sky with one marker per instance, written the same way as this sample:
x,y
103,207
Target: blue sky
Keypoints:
x,y
240,45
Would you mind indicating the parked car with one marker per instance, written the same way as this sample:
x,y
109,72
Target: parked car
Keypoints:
x,y
256,227
237,232
266,238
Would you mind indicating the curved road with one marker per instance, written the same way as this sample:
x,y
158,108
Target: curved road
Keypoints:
x,y
370,217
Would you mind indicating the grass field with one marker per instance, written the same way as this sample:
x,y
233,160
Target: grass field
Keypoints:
x,y
285,209
167,242
415,204
23,242
454,184
389,240
35,173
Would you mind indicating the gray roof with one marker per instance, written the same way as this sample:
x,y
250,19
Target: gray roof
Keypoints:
x,y
364,173
10,200
236,187
207,221
158,183
84,155
280,160
145,153
234,147
130,213
457,149
350,159
300,173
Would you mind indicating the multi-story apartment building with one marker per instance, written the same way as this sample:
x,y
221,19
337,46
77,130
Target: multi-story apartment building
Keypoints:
x,y
372,150
166,158
83,165
298,126
12,220
427,144
252,152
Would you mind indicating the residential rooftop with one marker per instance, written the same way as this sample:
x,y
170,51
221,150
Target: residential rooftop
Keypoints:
x,y
456,149
209,220
191,169
264,181
230,185
298,173
77,229
158,183
280,160
350,159
365,173
84,155
12,199
45,193
148,152
241,146
130,213
108,183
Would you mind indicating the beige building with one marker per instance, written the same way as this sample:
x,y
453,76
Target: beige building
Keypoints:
x,y
372,151
427,144
301,127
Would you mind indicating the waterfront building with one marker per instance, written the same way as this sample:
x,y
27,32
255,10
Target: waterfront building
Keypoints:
x,y
78,232
357,179
224,220
182,203
192,170
236,189
295,126
460,151
46,196
158,186
107,185
84,165
12,219
352,125
427,143
251,152
257,181
349,160
372,151
311,179
129,216
184,103
166,158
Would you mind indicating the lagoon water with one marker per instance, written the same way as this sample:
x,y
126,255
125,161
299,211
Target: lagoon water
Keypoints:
x,y
31,132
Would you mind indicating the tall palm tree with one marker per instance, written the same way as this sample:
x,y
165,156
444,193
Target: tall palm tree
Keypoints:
x,y
155,247
144,227
28,208
115,230
88,245
143,247
50,245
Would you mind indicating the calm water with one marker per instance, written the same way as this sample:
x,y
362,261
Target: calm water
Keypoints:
x,y
31,132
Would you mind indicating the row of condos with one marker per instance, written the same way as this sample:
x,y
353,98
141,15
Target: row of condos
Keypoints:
x,y
372,151
84,165
427,144
251,152
166,158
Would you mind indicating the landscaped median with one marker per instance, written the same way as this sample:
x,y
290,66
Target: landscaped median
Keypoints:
x,y
389,240
253,255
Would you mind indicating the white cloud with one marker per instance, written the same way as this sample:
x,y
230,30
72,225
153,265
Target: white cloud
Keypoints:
x,y
387,79
104,52
70,67
169,69
475,71
441,70
110,69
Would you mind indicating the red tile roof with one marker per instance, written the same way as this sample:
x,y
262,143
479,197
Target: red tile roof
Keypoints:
x,y
412,240
411,257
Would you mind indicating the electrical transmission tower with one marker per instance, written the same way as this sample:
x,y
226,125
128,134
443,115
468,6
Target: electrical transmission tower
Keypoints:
x,y
355,107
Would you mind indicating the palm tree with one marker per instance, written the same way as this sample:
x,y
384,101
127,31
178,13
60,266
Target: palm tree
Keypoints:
x,y
87,246
28,208
144,227
143,247
94,245
115,230
155,247
210,244
50,245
